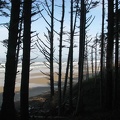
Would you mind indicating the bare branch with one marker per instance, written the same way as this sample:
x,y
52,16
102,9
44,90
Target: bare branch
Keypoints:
x,y
45,73
90,22
42,42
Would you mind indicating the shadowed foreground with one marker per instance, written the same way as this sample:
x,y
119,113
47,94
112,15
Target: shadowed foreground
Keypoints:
x,y
42,107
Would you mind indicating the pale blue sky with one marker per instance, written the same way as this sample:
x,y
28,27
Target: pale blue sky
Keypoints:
x,y
40,25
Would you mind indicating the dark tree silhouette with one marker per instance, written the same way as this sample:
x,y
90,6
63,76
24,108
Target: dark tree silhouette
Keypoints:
x,y
81,55
109,58
8,108
71,55
60,56
116,22
48,50
102,55
52,50
24,92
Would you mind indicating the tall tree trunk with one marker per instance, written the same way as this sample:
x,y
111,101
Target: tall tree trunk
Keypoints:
x,y
81,56
102,55
71,56
8,108
116,54
60,55
68,59
52,51
109,59
24,95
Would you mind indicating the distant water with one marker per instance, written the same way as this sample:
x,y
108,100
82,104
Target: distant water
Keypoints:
x,y
36,66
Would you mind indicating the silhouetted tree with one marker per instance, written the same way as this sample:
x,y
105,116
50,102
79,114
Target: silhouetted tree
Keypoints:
x,y
79,106
8,107
92,65
48,50
75,5
24,92
60,56
71,55
95,46
52,50
102,55
109,58
116,22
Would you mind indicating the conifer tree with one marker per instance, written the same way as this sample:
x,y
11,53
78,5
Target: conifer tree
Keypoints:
x,y
8,107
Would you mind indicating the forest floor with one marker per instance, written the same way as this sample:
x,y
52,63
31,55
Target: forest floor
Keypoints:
x,y
42,107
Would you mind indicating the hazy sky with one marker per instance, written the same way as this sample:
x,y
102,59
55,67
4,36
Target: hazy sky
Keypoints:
x,y
40,27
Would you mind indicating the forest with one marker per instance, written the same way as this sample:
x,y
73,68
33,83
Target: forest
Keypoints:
x,y
91,91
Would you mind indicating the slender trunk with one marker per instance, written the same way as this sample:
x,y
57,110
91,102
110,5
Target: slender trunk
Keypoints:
x,y
71,56
68,60
52,51
87,64
8,108
92,65
66,76
102,55
95,60
60,55
24,95
18,47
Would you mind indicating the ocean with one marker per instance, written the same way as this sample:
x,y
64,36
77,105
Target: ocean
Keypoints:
x,y
36,66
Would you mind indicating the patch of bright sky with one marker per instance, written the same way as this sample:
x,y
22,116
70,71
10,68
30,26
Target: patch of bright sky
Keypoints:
x,y
40,27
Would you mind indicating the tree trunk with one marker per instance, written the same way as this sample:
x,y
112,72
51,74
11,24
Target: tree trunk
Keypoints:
x,y
60,55
68,59
116,55
52,51
102,55
95,59
66,75
71,57
92,65
109,59
79,106
8,108
24,95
